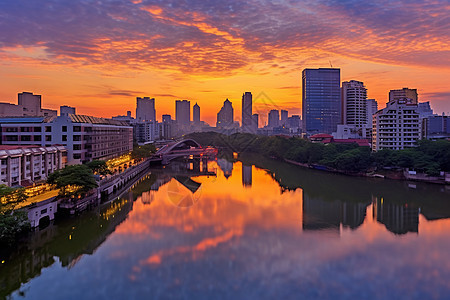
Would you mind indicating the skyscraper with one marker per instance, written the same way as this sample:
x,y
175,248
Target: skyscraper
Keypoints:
x,y
354,103
284,117
321,95
247,111
404,93
225,117
372,107
274,118
183,112
145,109
255,122
196,114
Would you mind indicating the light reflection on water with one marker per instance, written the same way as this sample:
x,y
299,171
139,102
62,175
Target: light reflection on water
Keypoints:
x,y
248,233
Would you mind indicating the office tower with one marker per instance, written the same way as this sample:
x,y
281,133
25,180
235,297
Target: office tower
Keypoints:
x,y
225,117
145,109
354,103
28,105
255,122
166,118
246,111
284,117
404,93
372,107
436,127
293,121
397,126
183,112
196,114
274,118
65,110
425,109
321,95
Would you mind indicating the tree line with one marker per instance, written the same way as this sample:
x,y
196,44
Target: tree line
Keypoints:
x,y
429,157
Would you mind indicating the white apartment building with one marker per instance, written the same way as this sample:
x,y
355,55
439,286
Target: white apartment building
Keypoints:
x,y
397,126
85,138
25,165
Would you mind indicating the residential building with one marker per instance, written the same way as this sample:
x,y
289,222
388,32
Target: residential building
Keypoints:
x,y
25,165
274,118
354,103
247,111
404,93
321,100
126,118
397,126
28,105
145,109
225,117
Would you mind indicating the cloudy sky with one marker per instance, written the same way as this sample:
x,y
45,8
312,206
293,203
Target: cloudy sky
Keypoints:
x,y
100,55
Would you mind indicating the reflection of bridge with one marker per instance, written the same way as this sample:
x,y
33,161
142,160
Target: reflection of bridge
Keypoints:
x,y
183,148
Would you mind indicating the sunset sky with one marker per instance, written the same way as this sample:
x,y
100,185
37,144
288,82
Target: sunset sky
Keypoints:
x,y
100,55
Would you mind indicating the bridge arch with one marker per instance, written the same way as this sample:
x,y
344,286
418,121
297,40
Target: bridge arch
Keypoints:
x,y
180,145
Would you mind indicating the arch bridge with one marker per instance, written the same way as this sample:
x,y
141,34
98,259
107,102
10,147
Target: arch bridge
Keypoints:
x,y
182,148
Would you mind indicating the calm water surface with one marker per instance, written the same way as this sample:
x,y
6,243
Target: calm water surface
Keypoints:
x,y
256,230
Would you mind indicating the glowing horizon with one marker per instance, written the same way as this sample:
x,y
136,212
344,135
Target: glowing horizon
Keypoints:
x,y
99,56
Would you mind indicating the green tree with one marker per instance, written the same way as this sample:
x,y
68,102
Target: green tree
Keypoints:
x,y
143,151
98,167
74,180
12,223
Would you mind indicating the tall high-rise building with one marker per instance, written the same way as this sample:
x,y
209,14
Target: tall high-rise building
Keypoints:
x,y
274,118
196,114
145,109
255,122
321,95
354,103
284,116
404,93
247,111
183,112
372,107
225,117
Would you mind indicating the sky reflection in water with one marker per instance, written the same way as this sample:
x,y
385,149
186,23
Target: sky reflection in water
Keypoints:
x,y
241,235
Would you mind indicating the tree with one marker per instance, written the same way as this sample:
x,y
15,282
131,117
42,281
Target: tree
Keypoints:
x,y
12,223
11,197
74,180
144,151
98,167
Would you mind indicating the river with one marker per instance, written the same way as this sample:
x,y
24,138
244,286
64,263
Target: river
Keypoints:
x,y
249,229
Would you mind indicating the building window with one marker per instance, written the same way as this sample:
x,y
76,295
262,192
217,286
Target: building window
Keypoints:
x,y
64,128
37,129
76,128
76,147
77,138
64,138
48,138
12,138
25,138
48,129
12,129
38,138
76,156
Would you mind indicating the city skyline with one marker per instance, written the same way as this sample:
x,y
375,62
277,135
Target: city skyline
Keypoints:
x,y
99,57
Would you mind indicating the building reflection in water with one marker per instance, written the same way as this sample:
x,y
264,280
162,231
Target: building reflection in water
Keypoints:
x,y
319,214
226,167
398,218
247,175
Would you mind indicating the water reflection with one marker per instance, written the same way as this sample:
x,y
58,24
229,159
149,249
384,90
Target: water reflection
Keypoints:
x,y
252,229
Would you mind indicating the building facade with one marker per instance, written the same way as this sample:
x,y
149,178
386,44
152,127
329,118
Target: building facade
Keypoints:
x,y
247,111
354,103
183,112
145,109
196,114
396,127
404,93
225,117
321,100
65,110
86,138
274,118
28,105
25,165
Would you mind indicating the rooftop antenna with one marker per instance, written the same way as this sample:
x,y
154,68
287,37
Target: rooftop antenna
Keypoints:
x,y
330,64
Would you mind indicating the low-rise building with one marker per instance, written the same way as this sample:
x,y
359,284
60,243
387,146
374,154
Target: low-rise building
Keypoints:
x,y
86,138
25,165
